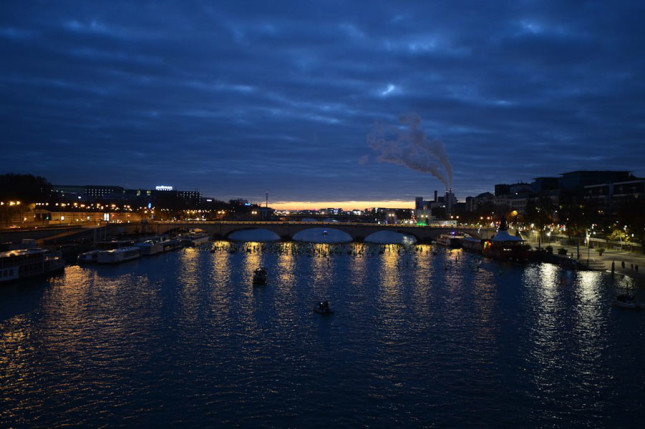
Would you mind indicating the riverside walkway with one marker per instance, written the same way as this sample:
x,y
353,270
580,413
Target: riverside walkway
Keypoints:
x,y
627,263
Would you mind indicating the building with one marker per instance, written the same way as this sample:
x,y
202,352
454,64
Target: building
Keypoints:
x,y
608,197
161,196
605,188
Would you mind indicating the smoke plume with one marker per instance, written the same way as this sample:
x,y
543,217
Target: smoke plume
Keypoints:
x,y
411,148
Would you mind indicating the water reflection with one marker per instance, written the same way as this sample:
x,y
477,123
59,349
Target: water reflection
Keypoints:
x,y
252,261
419,339
485,297
423,269
220,280
322,270
590,326
286,265
189,282
389,300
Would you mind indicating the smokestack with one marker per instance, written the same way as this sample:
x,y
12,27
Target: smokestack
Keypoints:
x,y
435,196
449,200
267,200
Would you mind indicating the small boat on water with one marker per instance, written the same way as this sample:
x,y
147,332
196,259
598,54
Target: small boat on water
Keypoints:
x,y
260,277
20,264
115,256
322,308
628,301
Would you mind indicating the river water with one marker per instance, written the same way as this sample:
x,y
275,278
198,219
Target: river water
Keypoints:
x,y
420,336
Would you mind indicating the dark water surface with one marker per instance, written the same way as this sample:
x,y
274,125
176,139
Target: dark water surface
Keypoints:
x,y
417,339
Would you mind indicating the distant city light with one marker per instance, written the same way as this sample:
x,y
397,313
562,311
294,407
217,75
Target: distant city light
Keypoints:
x,y
163,188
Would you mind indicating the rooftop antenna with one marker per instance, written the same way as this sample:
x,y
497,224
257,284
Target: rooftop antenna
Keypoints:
x,y
267,200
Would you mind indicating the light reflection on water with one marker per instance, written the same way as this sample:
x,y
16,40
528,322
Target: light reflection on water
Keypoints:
x,y
417,339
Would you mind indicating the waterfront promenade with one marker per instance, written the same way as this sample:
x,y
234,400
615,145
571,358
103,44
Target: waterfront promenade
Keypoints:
x,y
629,263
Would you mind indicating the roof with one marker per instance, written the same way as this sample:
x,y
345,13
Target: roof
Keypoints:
x,y
503,236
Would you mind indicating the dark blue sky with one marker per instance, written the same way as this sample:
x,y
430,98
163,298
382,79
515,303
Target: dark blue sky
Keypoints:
x,y
238,98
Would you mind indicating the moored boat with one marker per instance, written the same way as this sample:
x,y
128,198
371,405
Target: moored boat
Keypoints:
x,y
452,240
115,256
20,264
171,244
88,257
506,247
195,238
150,247
472,244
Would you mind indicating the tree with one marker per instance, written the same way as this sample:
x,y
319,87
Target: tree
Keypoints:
x,y
25,188
539,212
630,214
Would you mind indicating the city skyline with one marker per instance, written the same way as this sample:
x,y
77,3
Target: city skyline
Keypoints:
x,y
241,99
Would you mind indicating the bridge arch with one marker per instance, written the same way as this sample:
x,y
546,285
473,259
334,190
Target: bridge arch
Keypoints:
x,y
322,235
252,234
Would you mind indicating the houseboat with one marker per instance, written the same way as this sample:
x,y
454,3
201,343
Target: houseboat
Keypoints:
x,y
472,244
171,244
452,241
89,257
25,263
195,238
115,256
150,247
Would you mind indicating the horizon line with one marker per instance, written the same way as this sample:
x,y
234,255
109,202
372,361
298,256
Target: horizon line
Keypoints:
x,y
345,205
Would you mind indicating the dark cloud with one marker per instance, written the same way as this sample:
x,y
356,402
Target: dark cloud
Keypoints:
x,y
237,98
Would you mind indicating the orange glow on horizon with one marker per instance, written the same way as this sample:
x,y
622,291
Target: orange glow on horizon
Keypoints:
x,y
345,205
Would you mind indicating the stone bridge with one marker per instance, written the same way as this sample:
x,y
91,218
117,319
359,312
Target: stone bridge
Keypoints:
x,y
286,230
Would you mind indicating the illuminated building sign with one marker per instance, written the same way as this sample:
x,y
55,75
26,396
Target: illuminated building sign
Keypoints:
x,y
163,188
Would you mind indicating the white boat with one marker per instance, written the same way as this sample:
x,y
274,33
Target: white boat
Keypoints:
x,y
171,244
150,247
628,301
88,257
195,238
25,263
115,256
450,240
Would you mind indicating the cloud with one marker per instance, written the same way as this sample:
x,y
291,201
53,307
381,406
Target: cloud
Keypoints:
x,y
217,95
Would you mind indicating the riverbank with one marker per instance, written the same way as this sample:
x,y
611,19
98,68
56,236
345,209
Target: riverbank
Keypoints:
x,y
624,262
